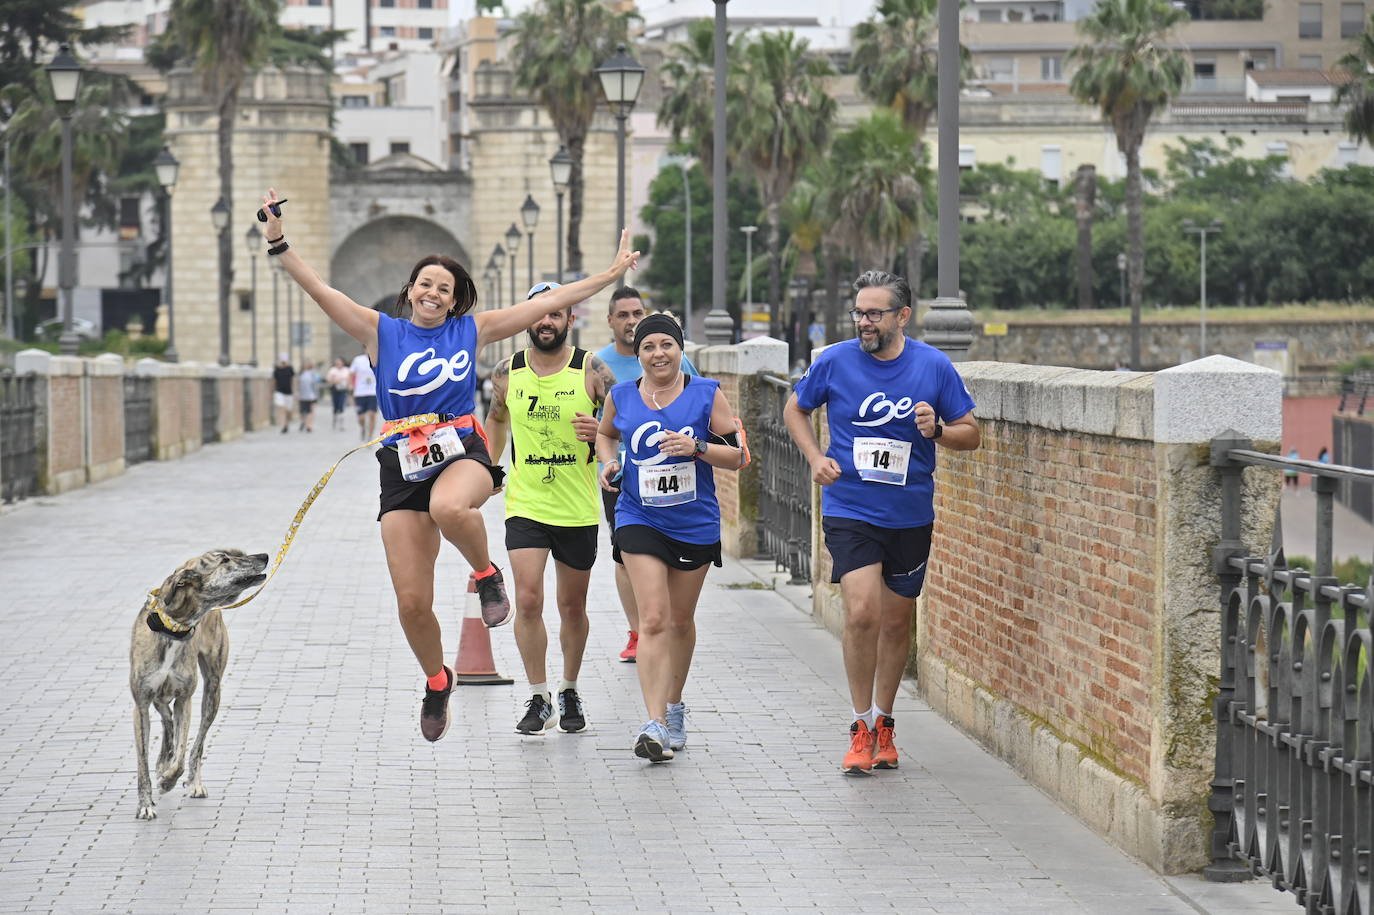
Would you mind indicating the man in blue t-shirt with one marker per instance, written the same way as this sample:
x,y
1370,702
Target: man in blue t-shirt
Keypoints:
x,y
890,401
626,311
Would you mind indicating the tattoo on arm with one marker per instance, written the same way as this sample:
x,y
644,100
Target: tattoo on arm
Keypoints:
x,y
500,379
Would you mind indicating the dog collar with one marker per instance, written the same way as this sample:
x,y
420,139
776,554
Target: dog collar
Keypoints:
x,y
158,620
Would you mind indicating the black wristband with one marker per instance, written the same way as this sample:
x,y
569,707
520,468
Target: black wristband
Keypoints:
x,y
939,429
279,248
273,241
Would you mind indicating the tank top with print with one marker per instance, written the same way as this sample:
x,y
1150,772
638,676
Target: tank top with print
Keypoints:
x,y
426,369
553,475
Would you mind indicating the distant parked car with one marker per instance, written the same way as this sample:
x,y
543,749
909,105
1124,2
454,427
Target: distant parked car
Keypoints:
x,y
52,329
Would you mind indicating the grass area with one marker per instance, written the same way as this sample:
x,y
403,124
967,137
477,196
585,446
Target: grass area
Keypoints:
x,y
1321,311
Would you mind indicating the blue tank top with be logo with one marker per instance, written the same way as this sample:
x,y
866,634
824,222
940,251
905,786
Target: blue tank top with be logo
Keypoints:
x,y
641,429
426,369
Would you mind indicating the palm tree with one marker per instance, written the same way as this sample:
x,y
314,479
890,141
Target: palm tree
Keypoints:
x,y
1126,68
877,190
895,61
228,40
558,45
1358,93
688,76
785,119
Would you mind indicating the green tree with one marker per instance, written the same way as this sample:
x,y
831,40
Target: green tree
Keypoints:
x,y
227,40
1127,68
876,192
558,45
30,30
895,60
688,76
1358,93
786,121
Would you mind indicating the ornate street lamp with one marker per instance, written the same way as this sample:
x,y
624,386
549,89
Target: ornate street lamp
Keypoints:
x,y
621,77
166,166
219,216
560,169
65,74
498,260
252,240
512,246
529,214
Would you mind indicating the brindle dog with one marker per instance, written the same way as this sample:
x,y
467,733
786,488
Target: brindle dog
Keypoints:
x,y
163,658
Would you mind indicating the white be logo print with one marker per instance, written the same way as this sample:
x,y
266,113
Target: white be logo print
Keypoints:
x,y
454,368
649,435
883,410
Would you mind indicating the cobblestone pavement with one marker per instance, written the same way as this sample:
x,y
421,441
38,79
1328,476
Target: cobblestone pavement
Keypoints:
x,y
324,798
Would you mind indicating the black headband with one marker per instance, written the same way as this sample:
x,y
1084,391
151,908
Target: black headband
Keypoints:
x,y
657,324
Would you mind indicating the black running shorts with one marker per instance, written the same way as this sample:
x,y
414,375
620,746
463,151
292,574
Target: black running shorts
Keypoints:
x,y
575,547
675,554
400,494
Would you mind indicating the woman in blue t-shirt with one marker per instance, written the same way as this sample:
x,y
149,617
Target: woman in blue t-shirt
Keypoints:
x,y
434,478
676,428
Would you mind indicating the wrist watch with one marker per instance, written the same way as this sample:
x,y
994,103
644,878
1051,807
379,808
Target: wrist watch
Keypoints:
x,y
939,431
700,445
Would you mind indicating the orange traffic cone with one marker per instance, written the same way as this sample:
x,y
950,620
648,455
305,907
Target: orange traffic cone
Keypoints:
x,y
474,666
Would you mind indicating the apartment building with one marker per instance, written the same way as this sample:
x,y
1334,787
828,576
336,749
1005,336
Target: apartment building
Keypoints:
x,y
373,25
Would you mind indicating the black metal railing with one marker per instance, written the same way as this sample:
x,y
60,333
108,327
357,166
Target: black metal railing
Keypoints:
x,y
1357,395
784,486
209,410
18,436
138,419
1294,706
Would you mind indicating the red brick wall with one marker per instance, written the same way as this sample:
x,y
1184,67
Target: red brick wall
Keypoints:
x,y
67,435
1040,584
107,418
727,481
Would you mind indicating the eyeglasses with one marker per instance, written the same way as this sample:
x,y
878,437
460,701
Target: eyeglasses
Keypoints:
x,y
874,315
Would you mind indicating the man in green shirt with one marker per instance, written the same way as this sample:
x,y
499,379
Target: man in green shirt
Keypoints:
x,y
544,400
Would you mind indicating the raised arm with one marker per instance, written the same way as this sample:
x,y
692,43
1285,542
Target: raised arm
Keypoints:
x,y
358,322
501,323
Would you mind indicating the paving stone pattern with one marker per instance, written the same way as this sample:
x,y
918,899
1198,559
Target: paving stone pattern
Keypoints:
x,y
324,797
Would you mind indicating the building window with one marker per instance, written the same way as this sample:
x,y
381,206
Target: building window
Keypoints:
x,y
989,15
425,4
966,157
314,3
424,32
1051,165
399,146
130,223
1345,153
1309,20
1204,69
1310,62
1279,148
1001,69
1352,20
246,298
386,3
386,31
355,101
1052,69
359,152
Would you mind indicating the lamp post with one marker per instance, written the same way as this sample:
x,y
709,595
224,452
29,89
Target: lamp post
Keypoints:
x,y
529,214
512,246
719,328
1189,228
166,166
252,240
560,169
11,325
749,266
65,74
274,263
219,216
498,260
1135,328
684,163
621,77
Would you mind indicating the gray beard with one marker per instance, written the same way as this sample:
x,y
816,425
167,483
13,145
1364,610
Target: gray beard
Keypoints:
x,y
879,341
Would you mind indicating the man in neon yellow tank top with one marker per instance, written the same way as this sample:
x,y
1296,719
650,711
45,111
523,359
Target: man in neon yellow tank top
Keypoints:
x,y
544,399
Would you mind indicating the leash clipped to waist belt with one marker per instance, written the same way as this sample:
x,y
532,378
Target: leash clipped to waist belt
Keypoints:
x,y
159,621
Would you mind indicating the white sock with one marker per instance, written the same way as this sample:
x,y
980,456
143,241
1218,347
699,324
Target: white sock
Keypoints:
x,y
541,689
880,713
865,717
674,705
566,684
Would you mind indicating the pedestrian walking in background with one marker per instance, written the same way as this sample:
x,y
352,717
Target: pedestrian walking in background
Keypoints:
x,y
625,312
675,428
545,399
284,390
308,387
1290,474
364,382
435,477
339,381
891,400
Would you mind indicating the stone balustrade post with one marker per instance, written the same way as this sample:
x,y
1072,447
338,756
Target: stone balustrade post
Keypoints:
x,y
60,420
104,408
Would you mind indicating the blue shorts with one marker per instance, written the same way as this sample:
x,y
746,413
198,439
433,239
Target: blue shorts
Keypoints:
x,y
903,552
366,403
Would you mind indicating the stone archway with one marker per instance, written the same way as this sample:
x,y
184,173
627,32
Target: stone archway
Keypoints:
x,y
373,262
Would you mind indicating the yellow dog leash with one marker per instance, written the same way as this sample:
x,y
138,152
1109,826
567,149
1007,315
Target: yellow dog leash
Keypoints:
x,y
177,628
